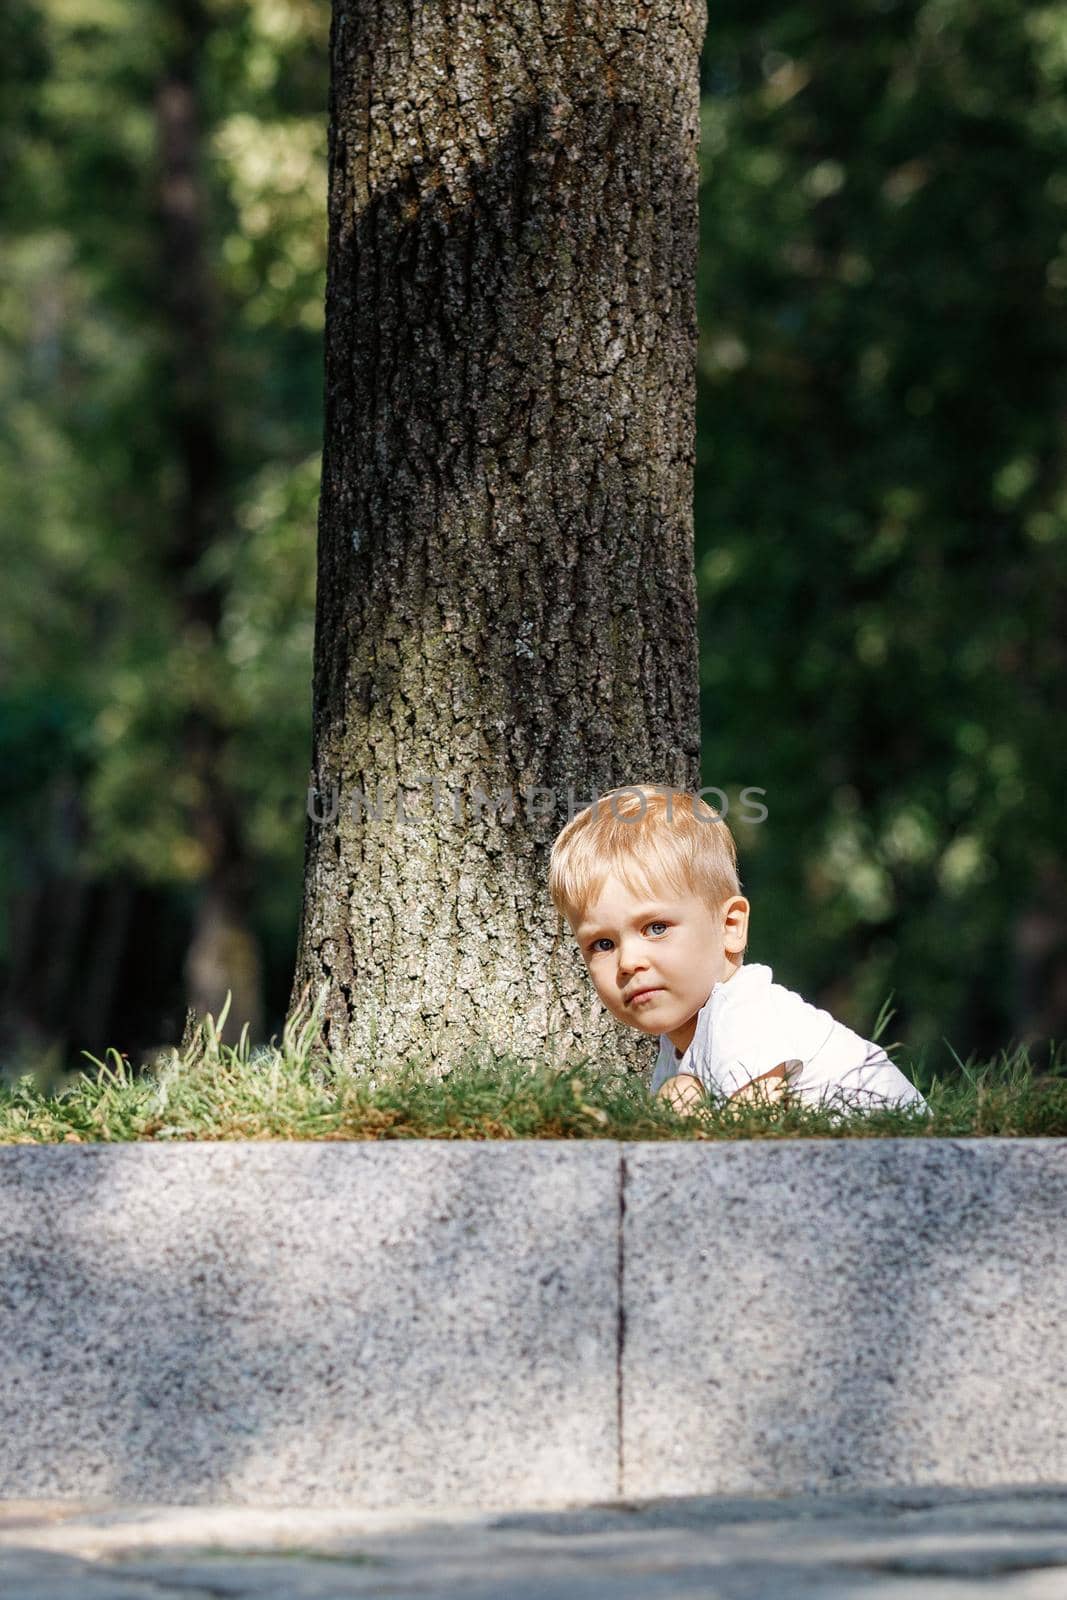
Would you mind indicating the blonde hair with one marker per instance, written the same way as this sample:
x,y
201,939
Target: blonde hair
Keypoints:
x,y
643,832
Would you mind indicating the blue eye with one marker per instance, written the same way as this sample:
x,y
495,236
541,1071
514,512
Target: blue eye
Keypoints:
x,y
605,940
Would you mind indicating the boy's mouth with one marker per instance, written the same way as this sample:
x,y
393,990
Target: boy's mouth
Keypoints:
x,y
641,994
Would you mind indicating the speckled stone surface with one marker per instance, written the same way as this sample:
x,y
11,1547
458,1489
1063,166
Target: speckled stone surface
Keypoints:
x,y
310,1324
432,1323
844,1314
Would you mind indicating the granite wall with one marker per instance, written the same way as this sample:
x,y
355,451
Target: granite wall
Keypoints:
x,y
529,1323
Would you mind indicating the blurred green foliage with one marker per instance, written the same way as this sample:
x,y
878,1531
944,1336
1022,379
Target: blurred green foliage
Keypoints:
x,y
881,495
97,672
882,499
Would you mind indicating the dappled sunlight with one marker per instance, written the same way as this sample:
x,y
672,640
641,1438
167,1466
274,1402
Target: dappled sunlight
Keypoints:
x,y
309,1324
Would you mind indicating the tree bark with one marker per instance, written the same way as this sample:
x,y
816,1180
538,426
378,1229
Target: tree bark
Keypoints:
x,y
506,596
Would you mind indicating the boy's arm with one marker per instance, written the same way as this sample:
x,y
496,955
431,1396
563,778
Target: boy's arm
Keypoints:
x,y
772,1085
685,1093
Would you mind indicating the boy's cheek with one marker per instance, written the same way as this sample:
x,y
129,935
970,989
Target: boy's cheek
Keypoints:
x,y
608,997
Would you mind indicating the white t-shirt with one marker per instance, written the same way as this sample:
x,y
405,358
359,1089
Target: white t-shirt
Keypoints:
x,y
749,1024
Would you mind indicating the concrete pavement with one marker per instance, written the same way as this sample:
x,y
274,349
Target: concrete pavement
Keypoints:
x,y
900,1544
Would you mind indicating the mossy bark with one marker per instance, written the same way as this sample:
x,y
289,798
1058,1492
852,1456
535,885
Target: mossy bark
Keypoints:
x,y
506,595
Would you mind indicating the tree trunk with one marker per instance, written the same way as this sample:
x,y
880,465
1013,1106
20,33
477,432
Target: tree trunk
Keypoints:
x,y
223,952
506,596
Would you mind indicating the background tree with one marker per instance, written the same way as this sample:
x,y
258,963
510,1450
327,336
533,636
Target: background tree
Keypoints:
x,y
505,580
161,384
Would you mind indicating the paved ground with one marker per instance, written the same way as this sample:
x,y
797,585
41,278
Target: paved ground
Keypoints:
x,y
1009,1544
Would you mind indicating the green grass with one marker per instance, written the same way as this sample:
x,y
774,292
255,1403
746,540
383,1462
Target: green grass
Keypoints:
x,y
293,1091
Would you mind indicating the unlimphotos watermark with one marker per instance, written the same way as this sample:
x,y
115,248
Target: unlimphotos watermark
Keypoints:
x,y
536,803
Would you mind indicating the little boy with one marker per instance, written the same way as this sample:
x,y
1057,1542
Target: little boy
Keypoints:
x,y
646,877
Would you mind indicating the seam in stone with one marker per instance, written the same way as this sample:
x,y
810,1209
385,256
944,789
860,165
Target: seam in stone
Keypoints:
x,y
620,1326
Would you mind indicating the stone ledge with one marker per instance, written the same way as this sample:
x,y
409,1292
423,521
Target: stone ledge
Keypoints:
x,y
311,1324
845,1314
435,1323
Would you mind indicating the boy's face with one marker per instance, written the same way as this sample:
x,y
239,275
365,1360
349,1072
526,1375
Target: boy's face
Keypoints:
x,y
673,945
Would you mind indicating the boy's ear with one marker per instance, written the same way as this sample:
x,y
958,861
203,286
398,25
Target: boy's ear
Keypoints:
x,y
735,923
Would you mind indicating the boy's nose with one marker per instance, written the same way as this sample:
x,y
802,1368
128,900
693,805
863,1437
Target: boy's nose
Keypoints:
x,y
631,959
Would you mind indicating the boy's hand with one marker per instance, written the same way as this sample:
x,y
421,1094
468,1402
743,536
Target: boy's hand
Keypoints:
x,y
683,1093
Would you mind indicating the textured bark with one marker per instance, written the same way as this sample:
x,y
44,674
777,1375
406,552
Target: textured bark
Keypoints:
x,y
223,952
506,595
